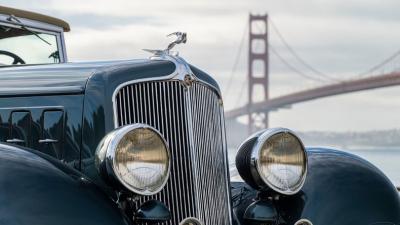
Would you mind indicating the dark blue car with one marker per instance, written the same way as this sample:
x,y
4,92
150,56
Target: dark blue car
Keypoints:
x,y
143,142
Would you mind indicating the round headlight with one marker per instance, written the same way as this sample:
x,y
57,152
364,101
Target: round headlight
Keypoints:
x,y
136,156
274,158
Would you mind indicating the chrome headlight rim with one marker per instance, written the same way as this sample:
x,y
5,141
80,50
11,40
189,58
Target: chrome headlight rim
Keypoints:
x,y
256,165
112,141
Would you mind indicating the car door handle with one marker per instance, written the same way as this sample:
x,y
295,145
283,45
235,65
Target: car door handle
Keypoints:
x,y
15,140
47,141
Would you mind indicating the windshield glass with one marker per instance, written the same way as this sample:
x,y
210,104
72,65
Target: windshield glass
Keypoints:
x,y
22,46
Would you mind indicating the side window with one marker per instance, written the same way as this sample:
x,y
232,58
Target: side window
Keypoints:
x,y
52,134
20,128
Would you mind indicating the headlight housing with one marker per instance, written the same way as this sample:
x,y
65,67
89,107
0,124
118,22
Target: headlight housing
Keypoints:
x,y
136,156
273,158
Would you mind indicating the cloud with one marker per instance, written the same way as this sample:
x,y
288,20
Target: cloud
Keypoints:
x,y
340,38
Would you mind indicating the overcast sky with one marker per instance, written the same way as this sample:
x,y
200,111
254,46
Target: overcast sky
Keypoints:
x,y
340,38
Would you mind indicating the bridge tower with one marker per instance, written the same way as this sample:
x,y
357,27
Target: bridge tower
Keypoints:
x,y
258,70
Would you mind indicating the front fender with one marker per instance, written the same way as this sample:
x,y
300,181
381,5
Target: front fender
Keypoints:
x,y
340,189
35,191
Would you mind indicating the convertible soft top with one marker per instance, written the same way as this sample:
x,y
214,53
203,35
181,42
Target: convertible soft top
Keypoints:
x,y
35,16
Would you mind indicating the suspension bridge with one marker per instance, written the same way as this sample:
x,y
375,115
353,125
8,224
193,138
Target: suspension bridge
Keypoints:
x,y
257,111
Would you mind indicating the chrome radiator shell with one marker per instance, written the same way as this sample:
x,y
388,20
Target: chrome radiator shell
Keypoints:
x,y
190,117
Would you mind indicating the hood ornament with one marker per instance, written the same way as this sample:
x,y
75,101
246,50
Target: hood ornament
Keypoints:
x,y
181,38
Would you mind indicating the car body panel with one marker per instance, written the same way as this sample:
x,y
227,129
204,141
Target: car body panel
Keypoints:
x,y
340,189
37,191
345,189
36,124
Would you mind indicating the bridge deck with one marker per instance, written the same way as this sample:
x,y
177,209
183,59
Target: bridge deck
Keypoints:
x,y
384,80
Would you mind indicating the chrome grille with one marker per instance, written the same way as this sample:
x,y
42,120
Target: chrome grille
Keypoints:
x,y
190,118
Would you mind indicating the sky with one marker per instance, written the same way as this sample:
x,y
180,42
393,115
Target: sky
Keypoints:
x,y
341,38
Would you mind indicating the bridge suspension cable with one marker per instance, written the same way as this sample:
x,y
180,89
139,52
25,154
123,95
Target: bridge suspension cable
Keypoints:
x,y
236,62
381,64
296,55
291,67
241,92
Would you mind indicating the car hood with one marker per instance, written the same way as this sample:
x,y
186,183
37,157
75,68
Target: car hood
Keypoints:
x,y
72,78
50,79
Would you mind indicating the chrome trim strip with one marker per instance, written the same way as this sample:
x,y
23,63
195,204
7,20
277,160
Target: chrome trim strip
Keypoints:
x,y
24,91
47,141
15,140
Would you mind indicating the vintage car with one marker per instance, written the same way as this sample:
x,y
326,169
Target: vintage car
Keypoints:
x,y
143,142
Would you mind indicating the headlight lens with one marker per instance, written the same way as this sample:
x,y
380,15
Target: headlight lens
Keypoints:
x,y
137,156
275,158
282,162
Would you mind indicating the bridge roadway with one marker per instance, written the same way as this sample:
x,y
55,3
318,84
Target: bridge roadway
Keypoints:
x,y
384,80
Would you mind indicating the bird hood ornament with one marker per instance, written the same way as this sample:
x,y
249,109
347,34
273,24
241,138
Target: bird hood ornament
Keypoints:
x,y
181,38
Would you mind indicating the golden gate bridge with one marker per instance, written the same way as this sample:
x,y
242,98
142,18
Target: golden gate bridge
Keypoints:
x,y
257,110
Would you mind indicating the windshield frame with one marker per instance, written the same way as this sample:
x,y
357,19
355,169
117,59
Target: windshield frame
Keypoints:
x,y
39,27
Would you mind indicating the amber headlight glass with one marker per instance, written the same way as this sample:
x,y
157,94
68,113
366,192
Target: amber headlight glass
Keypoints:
x,y
137,157
275,158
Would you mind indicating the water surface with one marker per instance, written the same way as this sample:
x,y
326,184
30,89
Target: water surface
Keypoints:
x,y
385,158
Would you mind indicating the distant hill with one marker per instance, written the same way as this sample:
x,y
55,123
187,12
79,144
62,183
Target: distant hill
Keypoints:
x,y
237,133
375,138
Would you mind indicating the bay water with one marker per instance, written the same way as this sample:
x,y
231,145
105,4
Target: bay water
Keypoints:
x,y
387,159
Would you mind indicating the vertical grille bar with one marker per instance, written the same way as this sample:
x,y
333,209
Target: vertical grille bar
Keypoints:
x,y
190,119
209,149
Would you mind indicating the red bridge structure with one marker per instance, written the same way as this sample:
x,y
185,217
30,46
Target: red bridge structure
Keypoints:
x,y
257,111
